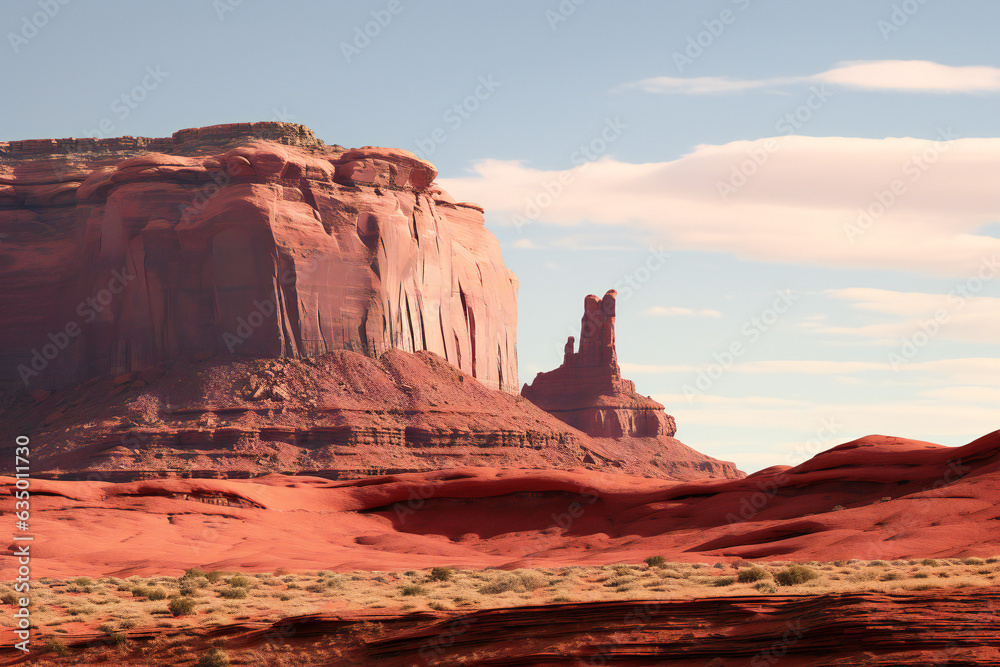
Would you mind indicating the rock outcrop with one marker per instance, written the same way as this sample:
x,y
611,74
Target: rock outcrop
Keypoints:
x,y
254,239
339,415
588,392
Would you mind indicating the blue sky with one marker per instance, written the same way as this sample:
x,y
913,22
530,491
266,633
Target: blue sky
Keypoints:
x,y
746,158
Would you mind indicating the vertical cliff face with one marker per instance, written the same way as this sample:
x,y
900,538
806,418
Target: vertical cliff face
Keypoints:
x,y
251,239
588,392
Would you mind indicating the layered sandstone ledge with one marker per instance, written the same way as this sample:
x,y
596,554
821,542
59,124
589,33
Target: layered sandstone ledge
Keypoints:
x,y
181,141
249,239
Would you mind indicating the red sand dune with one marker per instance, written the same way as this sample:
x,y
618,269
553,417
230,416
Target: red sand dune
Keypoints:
x,y
901,498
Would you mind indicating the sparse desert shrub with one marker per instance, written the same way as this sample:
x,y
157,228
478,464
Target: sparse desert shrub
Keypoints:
x,y
993,559
140,592
837,508
437,606
215,577
924,587
440,574
9,597
194,572
891,576
614,582
55,646
878,563
750,574
655,561
188,589
929,562
518,581
795,574
973,561
118,639
239,581
412,589
83,581
156,594
280,571
862,575
921,575
214,657
234,593
719,566
724,581
181,606
766,587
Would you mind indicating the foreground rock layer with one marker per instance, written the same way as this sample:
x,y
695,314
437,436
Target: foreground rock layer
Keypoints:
x,y
874,498
941,627
255,238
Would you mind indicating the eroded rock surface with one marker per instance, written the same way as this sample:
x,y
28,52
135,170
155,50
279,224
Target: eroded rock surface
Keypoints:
x,y
254,238
588,392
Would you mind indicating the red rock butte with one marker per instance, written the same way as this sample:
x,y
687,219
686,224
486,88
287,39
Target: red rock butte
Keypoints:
x,y
588,392
251,238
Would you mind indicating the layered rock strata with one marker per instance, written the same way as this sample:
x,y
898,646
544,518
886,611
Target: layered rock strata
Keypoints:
x,y
252,239
588,392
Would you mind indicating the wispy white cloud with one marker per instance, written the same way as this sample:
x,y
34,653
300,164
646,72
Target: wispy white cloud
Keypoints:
x,y
806,200
965,371
677,311
916,76
955,315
